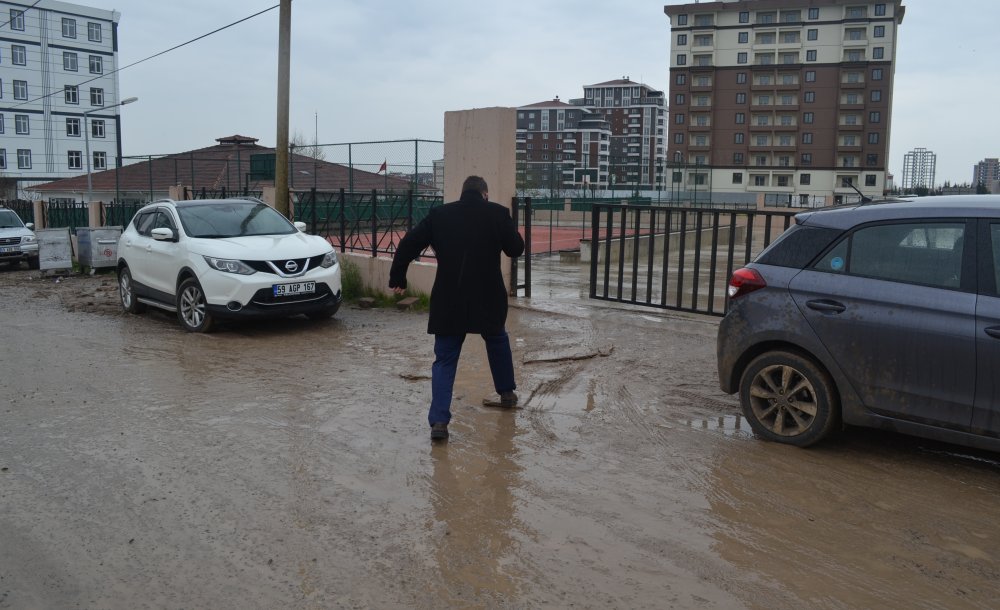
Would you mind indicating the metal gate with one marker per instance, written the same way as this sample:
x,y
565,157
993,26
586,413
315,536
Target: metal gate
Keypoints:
x,y
520,267
674,258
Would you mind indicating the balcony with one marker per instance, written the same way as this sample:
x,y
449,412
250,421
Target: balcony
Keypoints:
x,y
856,147
699,127
778,127
858,84
855,127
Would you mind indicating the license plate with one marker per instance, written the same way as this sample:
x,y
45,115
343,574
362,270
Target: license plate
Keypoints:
x,y
10,249
288,290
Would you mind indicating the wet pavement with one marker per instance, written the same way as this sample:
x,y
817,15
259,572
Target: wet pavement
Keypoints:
x,y
287,465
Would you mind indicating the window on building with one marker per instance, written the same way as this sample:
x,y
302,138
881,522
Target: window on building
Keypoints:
x,y
874,116
738,158
682,39
738,138
762,140
96,96
759,180
879,31
770,17
810,76
72,94
791,16
23,158
737,176
809,97
880,10
847,161
806,159
18,55
812,34
682,19
741,98
744,16
741,58
94,32
855,12
805,179
814,13
850,141
870,180
681,79
873,138
763,120
96,128
782,180
101,160
703,81
877,74
871,159
878,53
854,55
699,179
744,37
96,64
17,20
73,127
3,158
807,138
20,90
876,95
811,55
784,140
68,27
678,138
679,118
741,78
682,59
789,58
807,118
679,98
22,124
70,61
74,159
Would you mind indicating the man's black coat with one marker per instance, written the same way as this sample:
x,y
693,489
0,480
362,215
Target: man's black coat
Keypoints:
x,y
467,237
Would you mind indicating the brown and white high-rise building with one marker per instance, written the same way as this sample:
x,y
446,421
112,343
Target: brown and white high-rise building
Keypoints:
x,y
782,101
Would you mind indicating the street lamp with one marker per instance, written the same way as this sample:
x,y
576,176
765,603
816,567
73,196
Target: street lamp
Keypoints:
x,y
86,139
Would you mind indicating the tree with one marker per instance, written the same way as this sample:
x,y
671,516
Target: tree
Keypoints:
x,y
302,147
981,189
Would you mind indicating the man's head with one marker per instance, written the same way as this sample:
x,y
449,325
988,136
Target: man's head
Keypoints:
x,y
475,183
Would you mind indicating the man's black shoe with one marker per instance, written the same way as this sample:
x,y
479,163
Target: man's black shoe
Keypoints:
x,y
506,400
439,432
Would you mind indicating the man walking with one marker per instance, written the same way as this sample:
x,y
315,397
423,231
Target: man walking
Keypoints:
x,y
468,294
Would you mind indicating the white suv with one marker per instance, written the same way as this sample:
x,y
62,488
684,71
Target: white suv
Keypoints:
x,y
224,258
17,240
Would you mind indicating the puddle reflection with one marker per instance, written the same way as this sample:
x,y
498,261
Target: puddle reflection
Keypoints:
x,y
472,495
730,425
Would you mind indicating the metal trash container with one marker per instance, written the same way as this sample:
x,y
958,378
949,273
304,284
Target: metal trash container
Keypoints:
x,y
55,250
97,248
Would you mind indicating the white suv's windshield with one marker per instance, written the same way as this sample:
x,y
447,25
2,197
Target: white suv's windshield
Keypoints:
x,y
232,219
10,220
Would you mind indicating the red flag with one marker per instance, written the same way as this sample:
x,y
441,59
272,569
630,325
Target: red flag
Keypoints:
x,y
383,167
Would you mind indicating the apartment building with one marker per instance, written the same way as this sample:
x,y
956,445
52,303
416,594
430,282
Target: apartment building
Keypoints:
x,y
919,167
987,173
611,139
58,78
782,101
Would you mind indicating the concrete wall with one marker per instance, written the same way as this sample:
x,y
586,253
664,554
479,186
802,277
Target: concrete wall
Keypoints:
x,y
375,272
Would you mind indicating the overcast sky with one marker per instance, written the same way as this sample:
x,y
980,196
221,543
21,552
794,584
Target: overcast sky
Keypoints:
x,y
389,69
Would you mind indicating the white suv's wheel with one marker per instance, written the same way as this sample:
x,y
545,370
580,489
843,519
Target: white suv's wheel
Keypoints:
x,y
126,292
192,309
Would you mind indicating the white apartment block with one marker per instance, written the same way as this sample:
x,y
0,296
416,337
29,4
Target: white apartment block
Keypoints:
x,y
782,101
57,62
919,168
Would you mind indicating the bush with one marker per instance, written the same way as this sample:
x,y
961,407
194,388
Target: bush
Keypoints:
x,y
353,287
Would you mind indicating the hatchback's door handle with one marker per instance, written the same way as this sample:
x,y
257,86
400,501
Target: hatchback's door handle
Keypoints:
x,y
993,331
826,306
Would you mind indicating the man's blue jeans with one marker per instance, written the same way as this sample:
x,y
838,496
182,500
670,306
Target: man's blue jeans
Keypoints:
x,y
447,349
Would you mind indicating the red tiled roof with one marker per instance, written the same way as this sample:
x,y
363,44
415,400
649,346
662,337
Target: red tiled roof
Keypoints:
x,y
225,164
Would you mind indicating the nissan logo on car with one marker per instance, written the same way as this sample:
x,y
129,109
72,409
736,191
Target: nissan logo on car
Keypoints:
x,y
291,266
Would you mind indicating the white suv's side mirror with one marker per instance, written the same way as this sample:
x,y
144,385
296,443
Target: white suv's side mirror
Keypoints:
x,y
162,234
29,226
301,226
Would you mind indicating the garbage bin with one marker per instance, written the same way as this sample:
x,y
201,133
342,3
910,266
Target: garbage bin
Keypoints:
x,y
55,250
97,248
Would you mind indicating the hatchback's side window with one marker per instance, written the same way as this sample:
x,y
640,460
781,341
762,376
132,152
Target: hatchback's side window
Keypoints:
x,y
995,233
915,253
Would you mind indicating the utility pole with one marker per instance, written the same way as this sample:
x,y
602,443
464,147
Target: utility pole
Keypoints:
x,y
281,145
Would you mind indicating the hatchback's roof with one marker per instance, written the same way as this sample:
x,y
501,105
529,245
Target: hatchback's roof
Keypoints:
x,y
947,206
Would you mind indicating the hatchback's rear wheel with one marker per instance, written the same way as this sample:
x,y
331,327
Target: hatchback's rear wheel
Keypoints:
x,y
192,309
788,399
126,292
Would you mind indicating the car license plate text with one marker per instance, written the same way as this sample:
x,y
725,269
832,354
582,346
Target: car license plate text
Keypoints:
x,y
287,290
10,249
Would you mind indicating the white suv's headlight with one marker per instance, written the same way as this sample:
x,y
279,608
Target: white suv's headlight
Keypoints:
x,y
329,260
229,266
28,239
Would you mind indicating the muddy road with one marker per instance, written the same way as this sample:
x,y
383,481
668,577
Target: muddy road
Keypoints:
x,y
287,465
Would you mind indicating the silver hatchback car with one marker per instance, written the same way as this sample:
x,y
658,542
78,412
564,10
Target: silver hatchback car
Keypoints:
x,y
884,315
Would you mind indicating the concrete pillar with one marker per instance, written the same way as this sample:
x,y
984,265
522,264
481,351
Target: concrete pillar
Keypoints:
x,y
39,209
94,214
481,142
176,193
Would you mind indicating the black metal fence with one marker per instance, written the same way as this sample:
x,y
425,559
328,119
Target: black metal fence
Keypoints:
x,y
674,258
24,209
370,222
